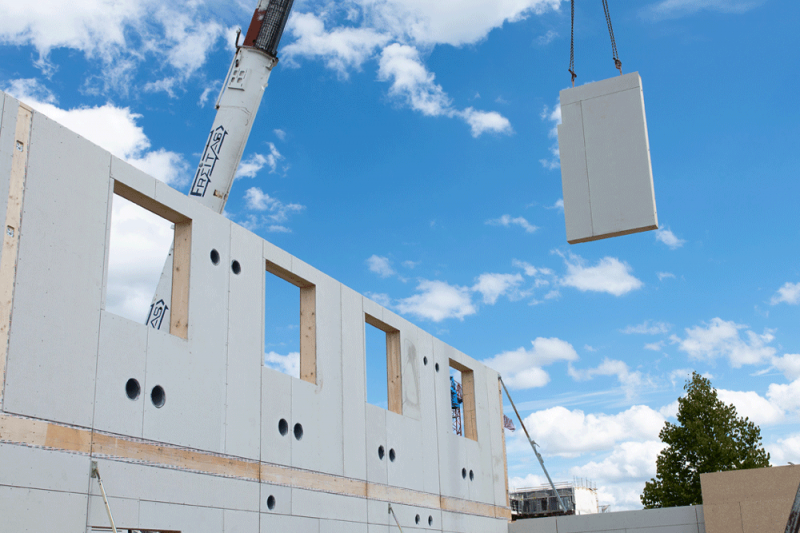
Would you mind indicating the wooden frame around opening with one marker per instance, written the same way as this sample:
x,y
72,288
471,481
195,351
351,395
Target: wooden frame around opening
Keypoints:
x,y
308,320
468,392
181,256
394,373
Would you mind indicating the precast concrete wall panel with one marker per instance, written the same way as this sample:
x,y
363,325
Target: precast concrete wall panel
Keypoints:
x,y
404,438
669,520
479,454
124,510
315,504
354,392
605,153
452,451
131,176
430,436
165,516
271,523
276,405
37,511
319,407
495,437
122,356
59,277
281,499
338,526
245,347
377,469
26,467
240,521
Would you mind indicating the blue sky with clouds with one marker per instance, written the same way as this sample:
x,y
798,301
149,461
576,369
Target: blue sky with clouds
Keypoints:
x,y
406,148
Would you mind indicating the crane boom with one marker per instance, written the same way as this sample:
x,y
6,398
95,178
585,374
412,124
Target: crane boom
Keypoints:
x,y
237,105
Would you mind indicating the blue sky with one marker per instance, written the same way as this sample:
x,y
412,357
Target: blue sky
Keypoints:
x,y
405,147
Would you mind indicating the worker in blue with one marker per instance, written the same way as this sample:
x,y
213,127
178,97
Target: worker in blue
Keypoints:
x,y
455,401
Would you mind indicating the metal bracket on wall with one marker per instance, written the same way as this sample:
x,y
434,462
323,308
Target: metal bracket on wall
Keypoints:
x,y
396,521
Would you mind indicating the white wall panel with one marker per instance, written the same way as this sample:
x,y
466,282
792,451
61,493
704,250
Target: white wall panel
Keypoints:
x,y
125,512
354,392
245,346
338,526
329,506
122,355
160,516
377,469
282,499
8,123
37,511
273,523
22,466
240,521
276,405
404,436
58,291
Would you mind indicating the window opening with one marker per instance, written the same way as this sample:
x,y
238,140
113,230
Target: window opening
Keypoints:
x,y
141,235
384,378
462,400
290,327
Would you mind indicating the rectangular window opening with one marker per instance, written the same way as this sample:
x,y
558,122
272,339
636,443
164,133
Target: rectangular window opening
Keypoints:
x,y
384,377
141,236
290,323
462,400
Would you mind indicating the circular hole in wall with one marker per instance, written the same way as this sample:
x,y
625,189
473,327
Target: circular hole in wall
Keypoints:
x,y
464,473
380,453
392,455
416,519
437,367
283,427
424,362
298,431
471,475
236,267
215,257
271,502
132,389
158,396
430,520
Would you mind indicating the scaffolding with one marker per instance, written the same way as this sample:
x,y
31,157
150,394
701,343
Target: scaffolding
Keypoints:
x,y
456,399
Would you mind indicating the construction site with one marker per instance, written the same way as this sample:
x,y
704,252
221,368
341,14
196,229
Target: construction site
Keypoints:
x,y
176,425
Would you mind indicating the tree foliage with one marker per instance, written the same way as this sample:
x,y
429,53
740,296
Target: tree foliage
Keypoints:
x,y
709,437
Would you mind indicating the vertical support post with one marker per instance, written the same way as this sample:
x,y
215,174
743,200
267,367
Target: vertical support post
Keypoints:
x,y
503,433
308,334
181,260
11,233
394,373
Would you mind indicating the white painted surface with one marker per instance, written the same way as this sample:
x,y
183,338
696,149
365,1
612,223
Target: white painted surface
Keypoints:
x,y
606,173
56,314
354,392
23,510
276,405
670,520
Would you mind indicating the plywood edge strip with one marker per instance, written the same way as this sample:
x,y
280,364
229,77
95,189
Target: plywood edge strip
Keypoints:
x,y
11,232
38,433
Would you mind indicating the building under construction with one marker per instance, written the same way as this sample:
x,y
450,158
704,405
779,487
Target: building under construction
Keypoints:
x,y
580,497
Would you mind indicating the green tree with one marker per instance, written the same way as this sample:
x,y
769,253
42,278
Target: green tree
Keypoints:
x,y
709,437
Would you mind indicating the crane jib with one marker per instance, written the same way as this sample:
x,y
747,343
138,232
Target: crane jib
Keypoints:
x,y
267,26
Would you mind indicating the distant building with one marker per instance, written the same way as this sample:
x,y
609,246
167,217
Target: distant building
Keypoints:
x,y
579,496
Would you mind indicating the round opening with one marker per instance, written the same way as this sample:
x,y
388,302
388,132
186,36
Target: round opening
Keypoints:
x,y
437,367
464,473
298,431
283,427
215,257
430,520
271,502
471,475
425,362
392,455
132,389
380,453
236,267
158,396
416,519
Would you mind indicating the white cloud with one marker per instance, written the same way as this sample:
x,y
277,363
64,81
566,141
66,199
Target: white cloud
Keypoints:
x,y
280,134
666,9
679,376
631,382
665,275
208,92
610,275
647,328
666,236
492,286
789,364
789,293
554,116
628,461
529,481
755,407
547,38
413,85
481,122
721,338
654,346
670,410
785,450
115,129
507,221
380,265
341,49
288,364
250,167
522,369
411,264
785,397
559,205
379,298
275,212
437,301
560,431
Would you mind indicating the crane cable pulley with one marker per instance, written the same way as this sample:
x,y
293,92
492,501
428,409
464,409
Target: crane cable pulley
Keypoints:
x,y
617,62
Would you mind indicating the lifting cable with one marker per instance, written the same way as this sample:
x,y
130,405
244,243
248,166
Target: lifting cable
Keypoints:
x,y
617,62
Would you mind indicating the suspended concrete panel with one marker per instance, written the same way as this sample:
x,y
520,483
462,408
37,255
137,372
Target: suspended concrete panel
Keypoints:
x,y
606,174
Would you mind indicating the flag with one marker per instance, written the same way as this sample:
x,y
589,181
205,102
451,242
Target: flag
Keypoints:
x,y
508,423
